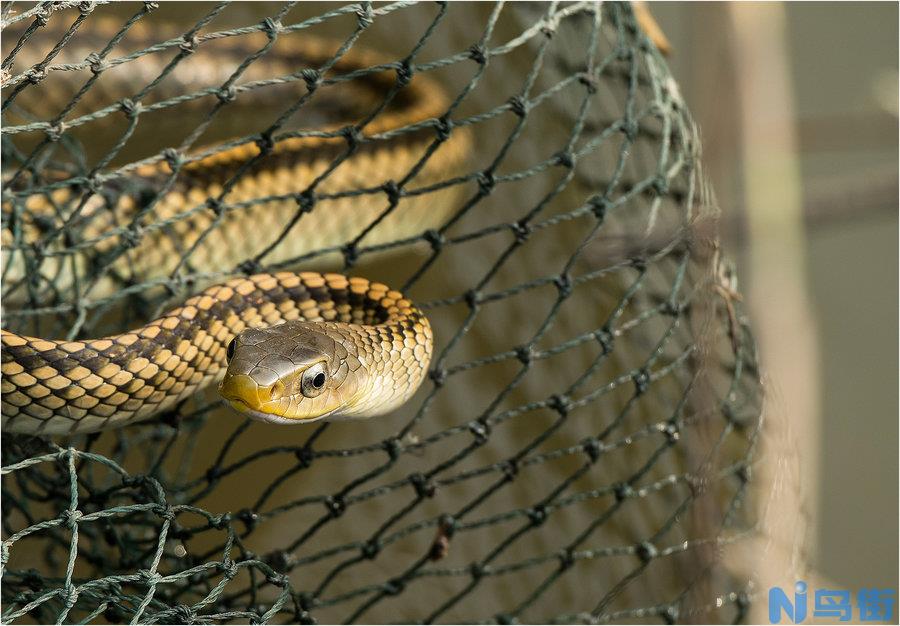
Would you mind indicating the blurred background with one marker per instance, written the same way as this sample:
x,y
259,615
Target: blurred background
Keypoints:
x,y
797,109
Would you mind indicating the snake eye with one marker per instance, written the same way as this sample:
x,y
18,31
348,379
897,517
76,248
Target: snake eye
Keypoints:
x,y
229,351
313,381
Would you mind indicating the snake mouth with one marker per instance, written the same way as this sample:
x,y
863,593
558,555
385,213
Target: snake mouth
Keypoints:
x,y
271,418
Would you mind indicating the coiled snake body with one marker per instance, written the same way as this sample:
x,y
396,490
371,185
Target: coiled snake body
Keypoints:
x,y
288,347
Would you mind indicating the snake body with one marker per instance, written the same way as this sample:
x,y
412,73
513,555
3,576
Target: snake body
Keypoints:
x,y
288,347
372,345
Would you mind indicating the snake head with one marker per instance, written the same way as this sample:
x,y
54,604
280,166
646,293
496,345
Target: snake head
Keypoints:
x,y
290,373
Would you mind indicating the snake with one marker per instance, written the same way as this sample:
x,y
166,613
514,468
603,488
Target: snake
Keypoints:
x,y
284,347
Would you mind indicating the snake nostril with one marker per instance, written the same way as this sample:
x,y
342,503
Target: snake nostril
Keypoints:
x,y
276,391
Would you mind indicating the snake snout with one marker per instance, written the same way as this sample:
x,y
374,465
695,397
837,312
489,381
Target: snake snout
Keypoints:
x,y
244,389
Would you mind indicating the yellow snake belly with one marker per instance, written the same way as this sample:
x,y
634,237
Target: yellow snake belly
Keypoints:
x,y
214,208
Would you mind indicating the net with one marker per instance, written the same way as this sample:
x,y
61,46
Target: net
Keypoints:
x,y
583,447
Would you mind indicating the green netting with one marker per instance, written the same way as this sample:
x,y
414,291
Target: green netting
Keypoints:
x,y
582,449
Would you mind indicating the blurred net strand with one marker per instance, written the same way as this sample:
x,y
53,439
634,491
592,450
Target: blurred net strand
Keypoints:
x,y
148,607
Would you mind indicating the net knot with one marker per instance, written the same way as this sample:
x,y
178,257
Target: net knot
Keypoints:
x,y
312,78
151,579
589,81
605,339
370,549
435,238
477,54
646,551
393,447
670,614
133,481
448,523
394,587
672,309
55,132
306,200
278,580
560,403
248,517
97,64
335,505
392,191
564,285
672,432
518,105
183,614
173,158
189,44
228,568
423,486
265,143
623,53
639,263
477,571
351,253
71,517
167,513
271,27
486,182
510,469
220,522
473,298
592,448
525,354
279,560
304,456
565,159
42,17
630,129
438,376
522,230
365,17
623,491
306,600
86,7
216,206
130,108
151,6
352,136
660,186
505,618
226,94
71,595
36,75
566,559
250,267
404,74
641,381
442,127
480,431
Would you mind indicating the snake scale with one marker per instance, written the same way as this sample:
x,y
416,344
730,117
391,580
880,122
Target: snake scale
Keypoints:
x,y
287,347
